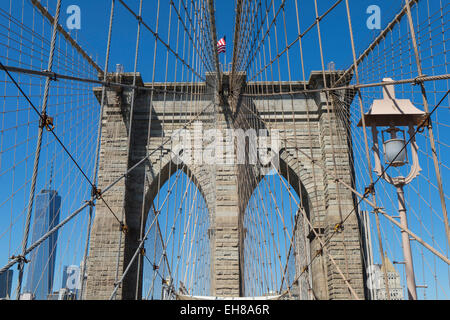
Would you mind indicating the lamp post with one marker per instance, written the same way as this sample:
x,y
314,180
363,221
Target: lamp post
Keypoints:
x,y
394,113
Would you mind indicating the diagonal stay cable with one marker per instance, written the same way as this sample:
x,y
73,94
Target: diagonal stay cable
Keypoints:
x,y
300,36
348,87
65,34
418,130
363,197
50,128
106,83
17,259
151,153
43,120
144,238
157,37
212,19
204,59
389,165
377,40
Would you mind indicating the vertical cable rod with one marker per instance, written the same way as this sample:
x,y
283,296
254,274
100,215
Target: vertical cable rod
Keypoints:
x,y
38,151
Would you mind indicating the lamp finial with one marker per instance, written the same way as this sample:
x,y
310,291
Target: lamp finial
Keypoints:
x,y
388,90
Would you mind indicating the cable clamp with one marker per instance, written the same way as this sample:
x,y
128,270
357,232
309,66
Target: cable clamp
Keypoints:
x,y
377,210
339,227
21,259
305,268
142,252
319,252
425,123
47,122
419,80
51,75
369,190
96,193
90,203
123,227
155,267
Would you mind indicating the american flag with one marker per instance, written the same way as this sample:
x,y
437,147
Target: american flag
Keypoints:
x,y
221,45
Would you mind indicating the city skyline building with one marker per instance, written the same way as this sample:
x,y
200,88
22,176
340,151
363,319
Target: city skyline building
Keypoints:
x,y
62,294
394,282
5,284
71,279
42,259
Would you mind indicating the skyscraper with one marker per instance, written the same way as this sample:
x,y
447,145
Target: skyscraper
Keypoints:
x,y
42,266
5,284
71,280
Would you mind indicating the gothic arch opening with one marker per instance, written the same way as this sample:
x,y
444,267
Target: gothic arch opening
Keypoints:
x,y
176,255
276,247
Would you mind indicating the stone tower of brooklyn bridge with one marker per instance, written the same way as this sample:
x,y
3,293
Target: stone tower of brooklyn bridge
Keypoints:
x,y
306,150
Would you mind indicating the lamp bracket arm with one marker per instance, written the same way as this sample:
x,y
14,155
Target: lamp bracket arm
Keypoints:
x,y
415,168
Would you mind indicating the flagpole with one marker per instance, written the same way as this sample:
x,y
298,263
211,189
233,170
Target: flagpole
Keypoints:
x,y
221,47
226,67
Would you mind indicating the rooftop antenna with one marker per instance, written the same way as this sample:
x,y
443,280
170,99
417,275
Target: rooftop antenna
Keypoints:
x,y
331,66
119,68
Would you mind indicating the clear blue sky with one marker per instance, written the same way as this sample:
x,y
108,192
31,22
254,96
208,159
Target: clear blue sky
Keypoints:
x,y
95,19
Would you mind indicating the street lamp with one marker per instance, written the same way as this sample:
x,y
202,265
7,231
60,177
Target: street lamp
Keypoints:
x,y
392,113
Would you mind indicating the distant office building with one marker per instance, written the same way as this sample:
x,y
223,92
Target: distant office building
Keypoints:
x,y
42,266
5,284
394,283
27,296
376,289
71,280
63,294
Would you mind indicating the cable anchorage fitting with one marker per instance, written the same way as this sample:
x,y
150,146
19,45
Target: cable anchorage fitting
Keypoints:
x,y
339,227
425,123
47,122
117,283
369,190
377,210
96,193
90,203
123,228
51,75
319,252
304,269
20,259
419,80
